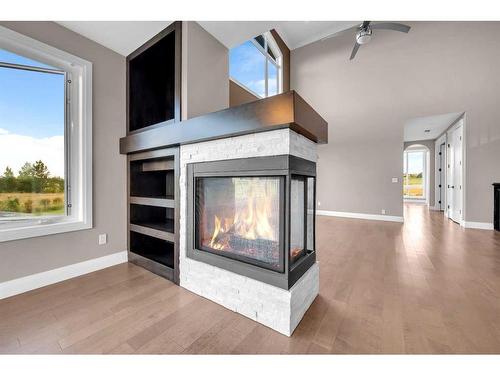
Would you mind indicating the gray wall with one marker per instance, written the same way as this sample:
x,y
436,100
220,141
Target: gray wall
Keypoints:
x,y
205,72
238,95
439,67
28,256
430,144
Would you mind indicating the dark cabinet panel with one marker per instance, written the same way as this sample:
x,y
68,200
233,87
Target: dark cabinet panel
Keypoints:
x,y
153,81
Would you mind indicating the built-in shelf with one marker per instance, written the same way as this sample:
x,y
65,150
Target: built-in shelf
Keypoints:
x,y
152,178
154,101
152,248
153,211
158,202
161,216
153,230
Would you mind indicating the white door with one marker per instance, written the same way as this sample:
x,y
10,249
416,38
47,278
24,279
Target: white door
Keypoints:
x,y
454,184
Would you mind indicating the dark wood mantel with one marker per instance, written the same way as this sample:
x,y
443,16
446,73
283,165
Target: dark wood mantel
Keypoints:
x,y
287,110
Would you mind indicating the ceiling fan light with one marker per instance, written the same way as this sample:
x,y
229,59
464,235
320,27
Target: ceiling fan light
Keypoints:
x,y
363,36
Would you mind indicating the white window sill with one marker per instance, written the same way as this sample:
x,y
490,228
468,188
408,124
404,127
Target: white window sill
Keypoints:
x,y
17,233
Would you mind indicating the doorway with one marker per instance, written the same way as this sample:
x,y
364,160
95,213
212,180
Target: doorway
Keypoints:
x,y
455,162
415,174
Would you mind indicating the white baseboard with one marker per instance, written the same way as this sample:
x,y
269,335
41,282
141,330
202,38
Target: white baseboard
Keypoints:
x,y
38,280
477,225
356,215
434,208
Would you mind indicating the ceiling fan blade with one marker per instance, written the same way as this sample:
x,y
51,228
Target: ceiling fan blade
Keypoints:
x,y
365,24
391,26
354,51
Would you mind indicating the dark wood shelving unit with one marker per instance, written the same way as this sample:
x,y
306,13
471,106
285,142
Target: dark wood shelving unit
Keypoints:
x,y
153,101
153,211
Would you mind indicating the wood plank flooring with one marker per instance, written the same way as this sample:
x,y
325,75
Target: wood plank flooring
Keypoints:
x,y
427,286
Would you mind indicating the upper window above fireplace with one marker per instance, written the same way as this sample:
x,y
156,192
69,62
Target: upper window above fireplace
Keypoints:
x,y
257,66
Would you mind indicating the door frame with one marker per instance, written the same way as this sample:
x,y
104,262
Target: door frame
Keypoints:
x,y
461,122
440,176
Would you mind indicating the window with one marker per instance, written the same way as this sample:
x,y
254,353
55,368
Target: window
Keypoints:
x,y
414,174
256,65
45,139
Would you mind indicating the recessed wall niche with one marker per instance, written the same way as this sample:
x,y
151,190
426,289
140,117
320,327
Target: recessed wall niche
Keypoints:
x,y
153,72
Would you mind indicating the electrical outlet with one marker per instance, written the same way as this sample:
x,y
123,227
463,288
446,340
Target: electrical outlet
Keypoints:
x,y
319,203
394,180
383,211
103,239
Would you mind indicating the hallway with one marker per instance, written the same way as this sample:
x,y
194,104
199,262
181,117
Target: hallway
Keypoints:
x,y
427,286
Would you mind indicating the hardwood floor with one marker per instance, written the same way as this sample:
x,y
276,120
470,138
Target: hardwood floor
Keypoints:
x,y
427,286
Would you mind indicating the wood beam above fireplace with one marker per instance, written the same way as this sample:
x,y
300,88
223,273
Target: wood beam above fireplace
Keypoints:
x,y
287,110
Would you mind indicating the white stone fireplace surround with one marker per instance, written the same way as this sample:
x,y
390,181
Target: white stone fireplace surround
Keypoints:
x,y
274,307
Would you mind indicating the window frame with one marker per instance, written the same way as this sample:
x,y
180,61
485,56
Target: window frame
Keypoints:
x,y
77,137
269,42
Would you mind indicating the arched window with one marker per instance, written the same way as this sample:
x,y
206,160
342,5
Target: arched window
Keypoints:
x,y
257,66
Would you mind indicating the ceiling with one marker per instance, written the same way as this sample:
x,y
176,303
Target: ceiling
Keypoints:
x,y
124,37
295,33
414,129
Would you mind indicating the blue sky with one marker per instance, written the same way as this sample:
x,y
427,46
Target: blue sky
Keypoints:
x,y
247,66
31,116
30,102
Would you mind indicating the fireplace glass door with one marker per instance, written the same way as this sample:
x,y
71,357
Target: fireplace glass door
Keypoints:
x,y
240,218
301,217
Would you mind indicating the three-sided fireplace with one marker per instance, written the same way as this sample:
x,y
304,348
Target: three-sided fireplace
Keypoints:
x,y
253,216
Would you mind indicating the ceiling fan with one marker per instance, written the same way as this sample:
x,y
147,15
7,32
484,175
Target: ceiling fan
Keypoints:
x,y
365,30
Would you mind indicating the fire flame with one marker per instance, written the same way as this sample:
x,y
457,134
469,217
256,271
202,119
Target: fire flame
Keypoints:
x,y
250,222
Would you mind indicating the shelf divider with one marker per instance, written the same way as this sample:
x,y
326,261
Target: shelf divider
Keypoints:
x,y
162,235
157,202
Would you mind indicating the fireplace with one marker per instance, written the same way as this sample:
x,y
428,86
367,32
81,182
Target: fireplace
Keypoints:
x,y
253,216
239,217
241,193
